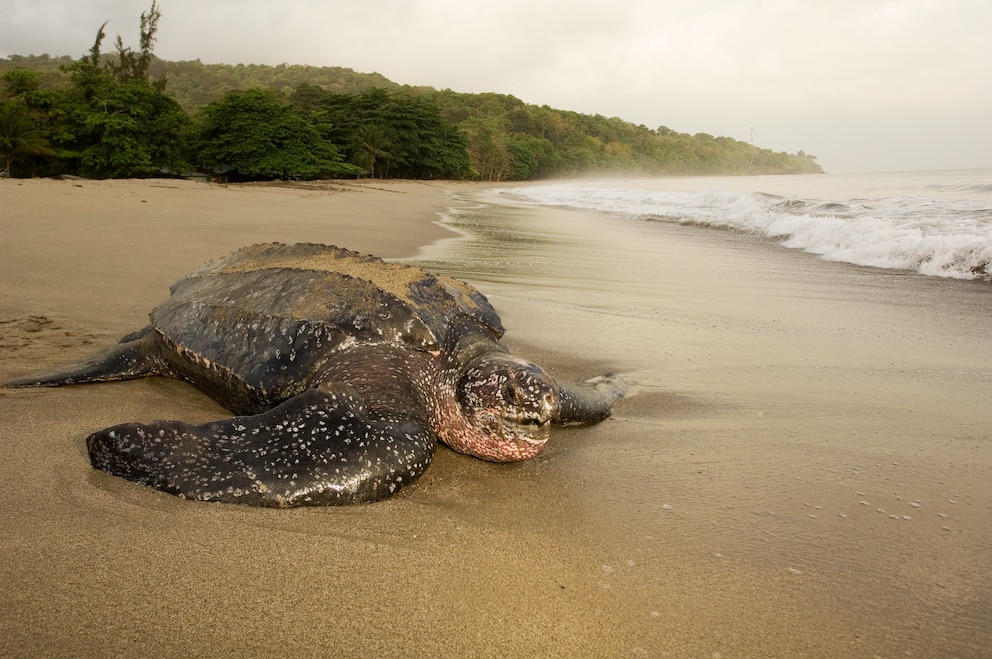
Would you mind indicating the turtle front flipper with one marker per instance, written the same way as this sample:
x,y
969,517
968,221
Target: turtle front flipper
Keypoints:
x,y
321,447
590,401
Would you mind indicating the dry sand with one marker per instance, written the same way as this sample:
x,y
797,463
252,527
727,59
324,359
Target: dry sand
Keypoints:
x,y
719,514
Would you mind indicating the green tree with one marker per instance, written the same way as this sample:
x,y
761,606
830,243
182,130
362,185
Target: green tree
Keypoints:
x,y
131,66
18,82
104,129
375,147
134,130
488,150
258,134
94,57
111,122
428,146
19,137
420,143
530,157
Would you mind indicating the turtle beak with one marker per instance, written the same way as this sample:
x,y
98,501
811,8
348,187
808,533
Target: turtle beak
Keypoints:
x,y
536,414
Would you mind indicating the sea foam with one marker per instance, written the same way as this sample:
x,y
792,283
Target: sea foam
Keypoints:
x,y
929,228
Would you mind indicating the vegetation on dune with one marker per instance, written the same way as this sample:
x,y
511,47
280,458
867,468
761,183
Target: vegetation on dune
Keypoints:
x,y
137,115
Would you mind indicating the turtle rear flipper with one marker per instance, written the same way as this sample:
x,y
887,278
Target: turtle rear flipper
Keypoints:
x,y
590,401
136,356
321,447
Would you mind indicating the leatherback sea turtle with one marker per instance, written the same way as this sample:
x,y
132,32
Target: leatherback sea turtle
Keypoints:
x,y
347,370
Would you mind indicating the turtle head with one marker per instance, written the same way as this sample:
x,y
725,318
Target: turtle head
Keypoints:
x,y
508,405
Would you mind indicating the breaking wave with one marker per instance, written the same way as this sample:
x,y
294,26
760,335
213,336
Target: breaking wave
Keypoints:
x,y
919,223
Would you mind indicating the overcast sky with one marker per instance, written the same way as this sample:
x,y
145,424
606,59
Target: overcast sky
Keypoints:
x,y
865,85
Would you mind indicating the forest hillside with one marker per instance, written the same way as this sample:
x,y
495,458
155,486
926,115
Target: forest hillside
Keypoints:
x,y
326,122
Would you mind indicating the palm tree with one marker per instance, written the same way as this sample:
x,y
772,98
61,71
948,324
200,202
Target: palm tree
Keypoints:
x,y
19,137
375,146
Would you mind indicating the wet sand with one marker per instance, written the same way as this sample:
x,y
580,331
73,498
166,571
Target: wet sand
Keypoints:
x,y
802,468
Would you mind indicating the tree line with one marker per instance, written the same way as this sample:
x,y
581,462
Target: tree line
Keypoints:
x,y
130,114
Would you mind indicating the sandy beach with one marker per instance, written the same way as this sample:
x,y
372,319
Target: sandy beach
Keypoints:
x,y
801,468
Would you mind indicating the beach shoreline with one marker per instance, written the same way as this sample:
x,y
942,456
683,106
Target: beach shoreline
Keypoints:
x,y
720,512
787,414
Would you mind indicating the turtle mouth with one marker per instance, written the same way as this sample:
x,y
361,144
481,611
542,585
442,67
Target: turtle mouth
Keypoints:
x,y
528,434
526,424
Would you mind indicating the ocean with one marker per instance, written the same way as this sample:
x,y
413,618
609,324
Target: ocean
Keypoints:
x,y
934,223
810,408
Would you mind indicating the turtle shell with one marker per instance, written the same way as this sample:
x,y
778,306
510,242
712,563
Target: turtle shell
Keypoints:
x,y
269,315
